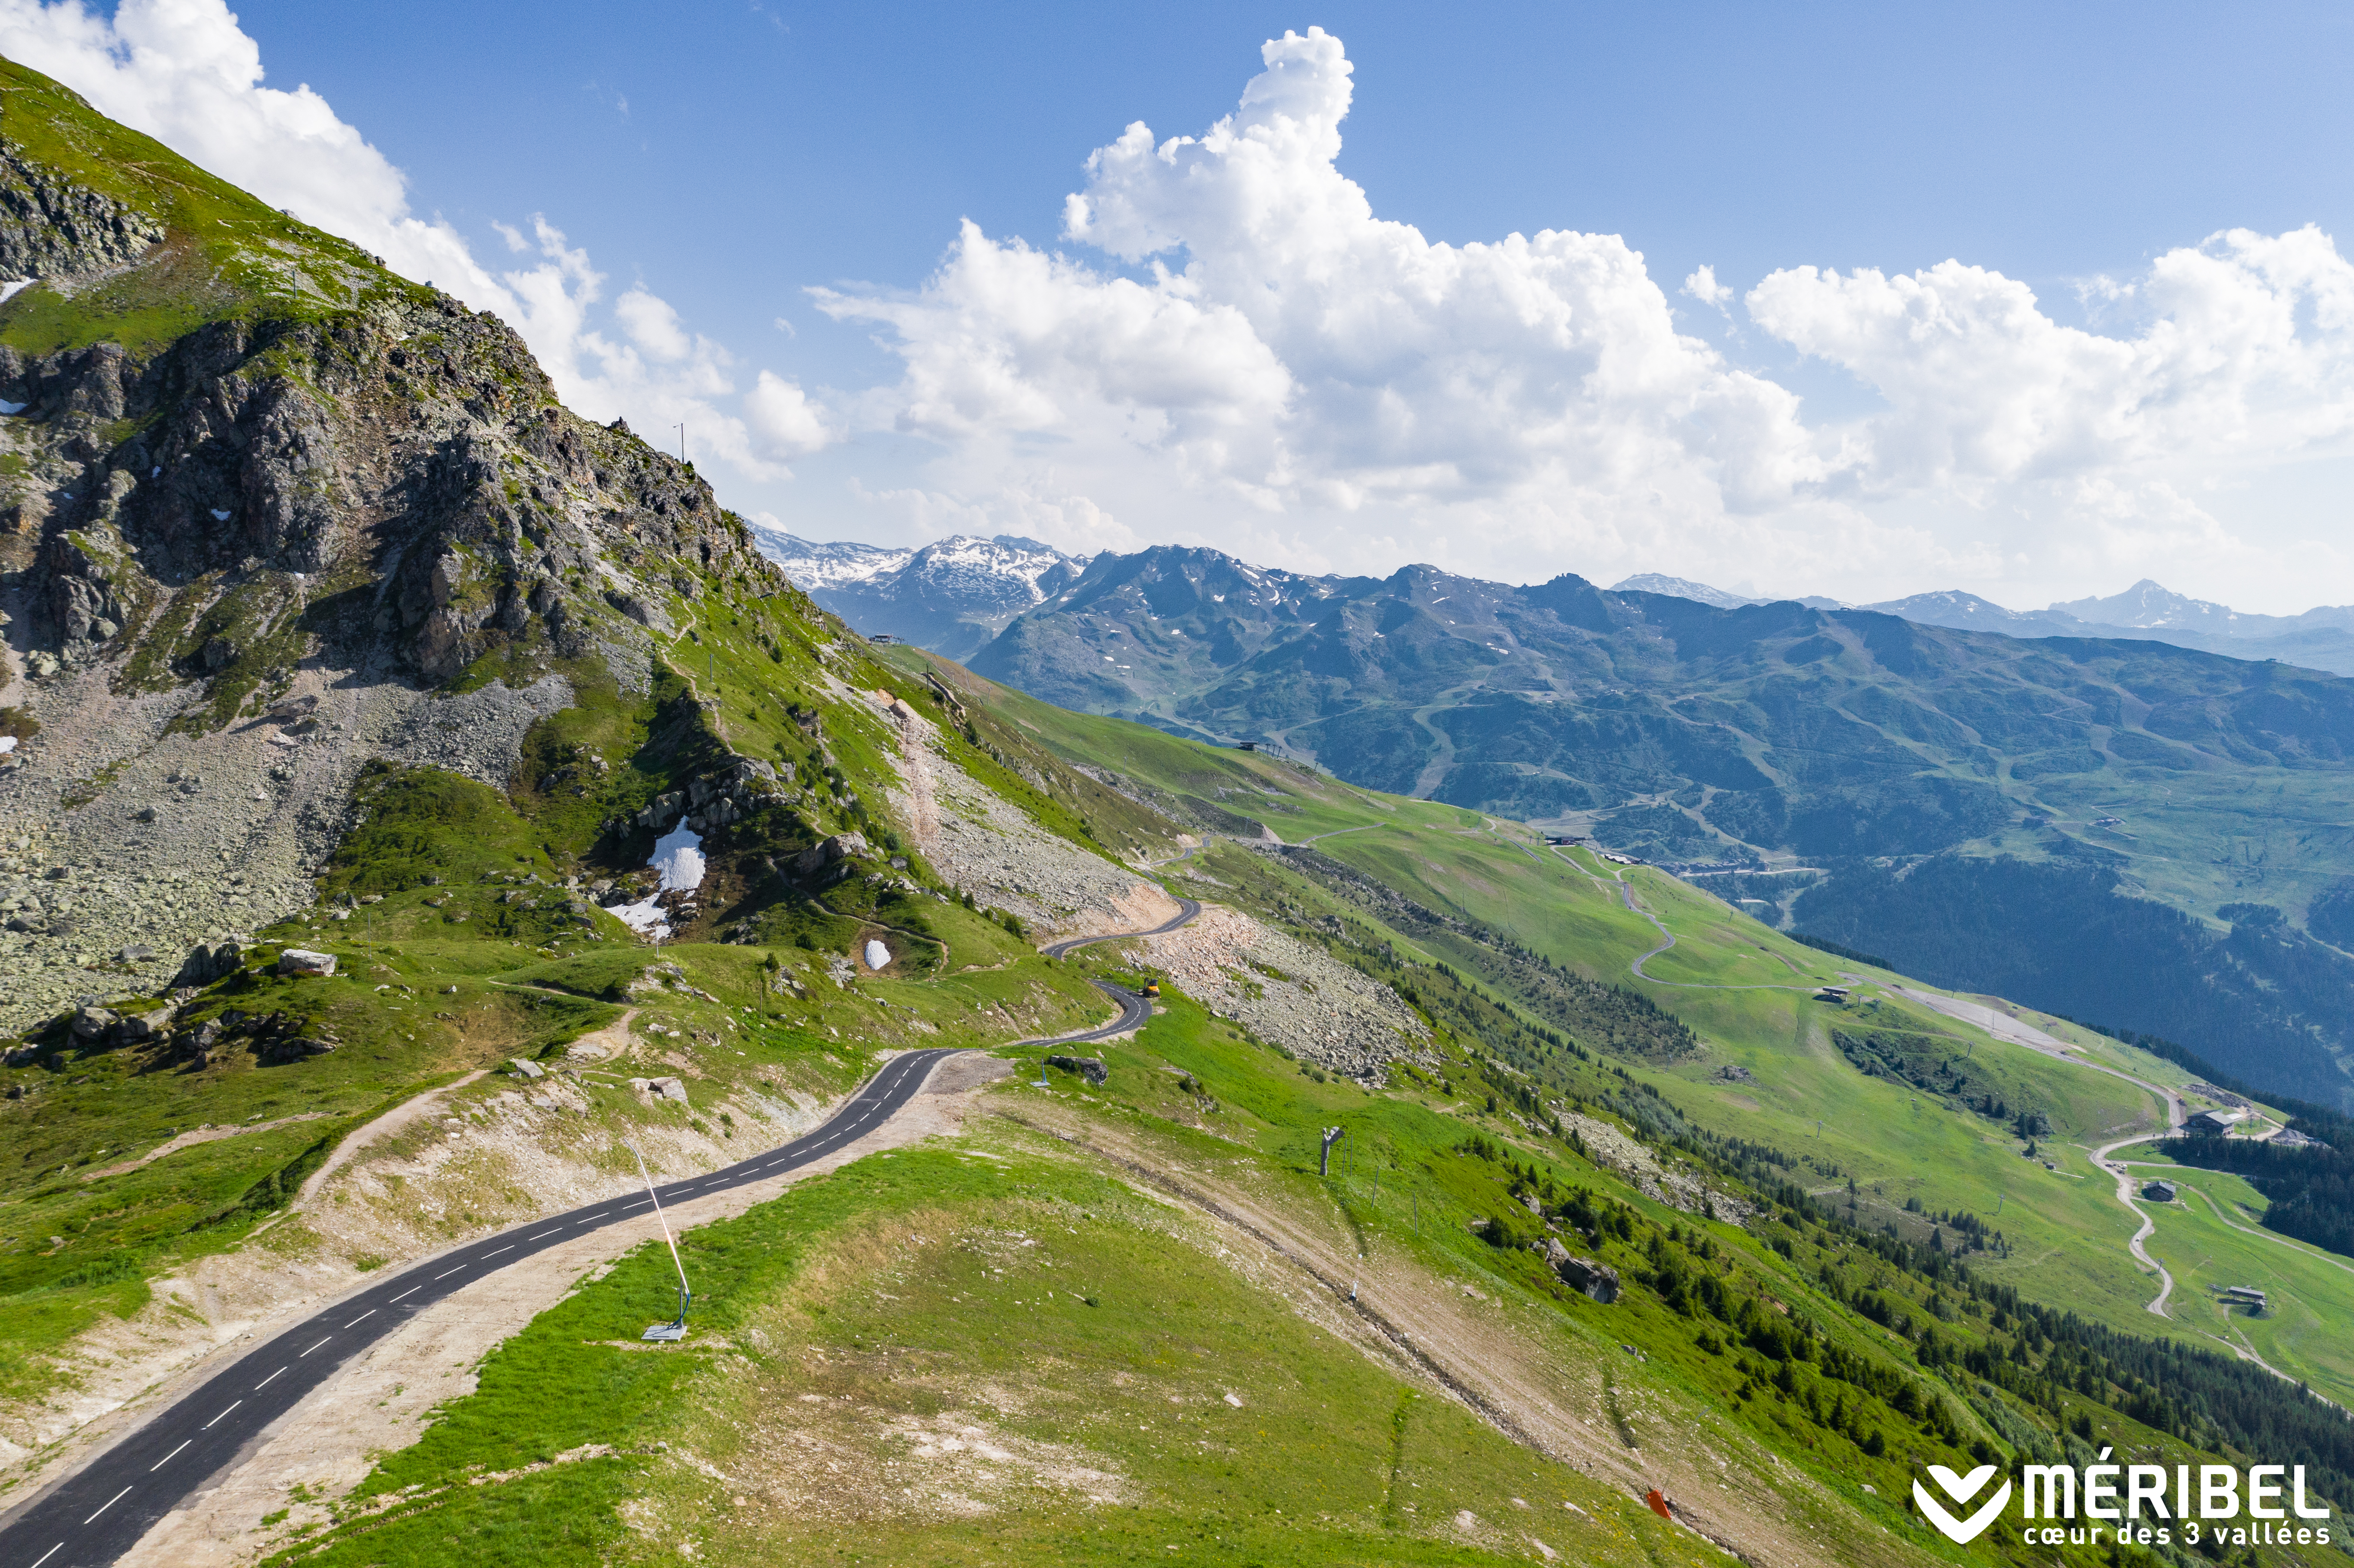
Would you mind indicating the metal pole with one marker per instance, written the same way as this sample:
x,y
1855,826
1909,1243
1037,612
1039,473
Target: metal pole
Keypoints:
x,y
685,1295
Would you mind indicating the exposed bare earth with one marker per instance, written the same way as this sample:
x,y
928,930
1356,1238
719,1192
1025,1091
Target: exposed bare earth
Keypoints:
x,y
199,1135
1656,1179
243,817
990,848
1284,990
398,1119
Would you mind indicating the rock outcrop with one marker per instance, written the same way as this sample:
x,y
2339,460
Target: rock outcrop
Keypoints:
x,y
51,227
333,502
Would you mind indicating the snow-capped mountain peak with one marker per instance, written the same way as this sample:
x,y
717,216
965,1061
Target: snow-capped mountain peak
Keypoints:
x,y
814,567
2150,604
1680,588
1953,606
989,569
952,595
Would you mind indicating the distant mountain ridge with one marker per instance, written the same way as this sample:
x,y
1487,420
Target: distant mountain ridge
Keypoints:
x,y
1701,593
1746,735
951,596
2320,639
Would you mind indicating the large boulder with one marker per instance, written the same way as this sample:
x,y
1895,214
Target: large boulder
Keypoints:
x,y
304,962
209,962
273,1053
1088,1067
134,1027
1598,1280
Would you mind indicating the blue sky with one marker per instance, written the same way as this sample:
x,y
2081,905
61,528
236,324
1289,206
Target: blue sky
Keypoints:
x,y
724,159
767,146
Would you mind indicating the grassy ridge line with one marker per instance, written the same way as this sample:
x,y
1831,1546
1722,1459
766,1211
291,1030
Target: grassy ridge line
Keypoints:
x,y
226,255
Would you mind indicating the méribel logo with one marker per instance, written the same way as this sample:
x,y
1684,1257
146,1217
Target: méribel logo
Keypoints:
x,y
1961,1488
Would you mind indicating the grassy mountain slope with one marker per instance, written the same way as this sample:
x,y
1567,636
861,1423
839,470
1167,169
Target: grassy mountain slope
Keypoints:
x,y
1029,1343
1818,746
1093,1322
1487,896
134,245
891,1316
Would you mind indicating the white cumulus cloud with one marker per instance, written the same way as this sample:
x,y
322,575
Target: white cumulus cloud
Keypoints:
x,y
1257,348
184,72
1237,350
2246,354
1702,285
1227,344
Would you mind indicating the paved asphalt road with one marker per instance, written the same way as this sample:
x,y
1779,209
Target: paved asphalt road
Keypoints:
x,y
1134,1010
91,1518
1187,908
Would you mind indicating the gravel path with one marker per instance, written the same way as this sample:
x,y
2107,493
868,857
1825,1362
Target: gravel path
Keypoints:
x,y
989,847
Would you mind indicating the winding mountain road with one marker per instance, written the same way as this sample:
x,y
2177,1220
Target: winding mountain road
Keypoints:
x,y
2157,1307
1994,1023
1666,938
1135,1010
1188,909
92,1517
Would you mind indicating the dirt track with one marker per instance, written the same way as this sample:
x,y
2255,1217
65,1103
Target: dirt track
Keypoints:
x,y
1566,1396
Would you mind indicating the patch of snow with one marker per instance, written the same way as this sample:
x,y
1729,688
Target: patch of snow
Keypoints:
x,y
8,292
12,408
877,956
220,516
678,857
7,743
813,566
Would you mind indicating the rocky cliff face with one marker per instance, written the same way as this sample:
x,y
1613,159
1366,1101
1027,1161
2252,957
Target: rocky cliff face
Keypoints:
x,y
52,228
238,560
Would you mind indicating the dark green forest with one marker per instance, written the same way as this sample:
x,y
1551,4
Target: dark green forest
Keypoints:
x,y
2264,997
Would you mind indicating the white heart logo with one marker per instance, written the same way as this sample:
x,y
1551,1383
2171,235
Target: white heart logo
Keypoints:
x,y
1961,1488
